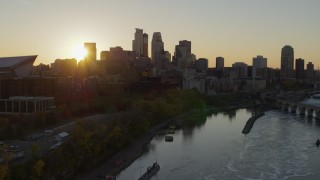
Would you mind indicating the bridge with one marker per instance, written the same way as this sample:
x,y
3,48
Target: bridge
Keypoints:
x,y
299,108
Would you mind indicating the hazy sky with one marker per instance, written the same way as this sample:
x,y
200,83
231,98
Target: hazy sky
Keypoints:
x,y
238,30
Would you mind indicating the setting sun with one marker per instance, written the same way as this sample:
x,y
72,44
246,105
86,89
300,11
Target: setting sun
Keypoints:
x,y
79,53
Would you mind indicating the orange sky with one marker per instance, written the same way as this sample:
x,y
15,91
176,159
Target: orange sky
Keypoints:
x,y
238,31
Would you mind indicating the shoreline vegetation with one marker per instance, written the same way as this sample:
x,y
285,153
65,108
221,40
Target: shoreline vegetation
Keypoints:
x,y
106,147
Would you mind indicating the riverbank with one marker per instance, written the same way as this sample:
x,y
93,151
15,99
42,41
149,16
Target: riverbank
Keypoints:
x,y
127,156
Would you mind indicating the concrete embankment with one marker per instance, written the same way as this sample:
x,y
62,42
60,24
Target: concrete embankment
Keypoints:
x,y
250,123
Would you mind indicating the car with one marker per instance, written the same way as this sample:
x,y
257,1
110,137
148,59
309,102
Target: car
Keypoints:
x,y
48,131
55,146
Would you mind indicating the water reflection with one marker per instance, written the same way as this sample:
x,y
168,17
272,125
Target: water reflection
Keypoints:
x,y
188,133
279,146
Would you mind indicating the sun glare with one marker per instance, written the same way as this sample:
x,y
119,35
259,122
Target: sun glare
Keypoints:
x,y
79,53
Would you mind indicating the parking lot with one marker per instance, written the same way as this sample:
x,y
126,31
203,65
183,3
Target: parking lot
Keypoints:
x,y
33,145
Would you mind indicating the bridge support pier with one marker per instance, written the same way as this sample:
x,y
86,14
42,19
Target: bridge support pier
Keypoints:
x,y
302,111
285,107
293,109
318,115
310,112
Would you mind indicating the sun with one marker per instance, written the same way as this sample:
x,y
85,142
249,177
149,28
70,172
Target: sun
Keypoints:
x,y
79,53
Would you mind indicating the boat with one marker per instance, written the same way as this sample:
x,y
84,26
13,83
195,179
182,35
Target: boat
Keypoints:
x,y
151,170
168,138
171,131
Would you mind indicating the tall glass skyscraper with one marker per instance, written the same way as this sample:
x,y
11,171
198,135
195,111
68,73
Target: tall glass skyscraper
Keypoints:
x,y
140,43
157,48
287,61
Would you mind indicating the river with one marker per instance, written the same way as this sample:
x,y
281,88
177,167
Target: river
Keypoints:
x,y
279,146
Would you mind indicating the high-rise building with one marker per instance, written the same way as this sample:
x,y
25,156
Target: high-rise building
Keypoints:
x,y
257,63
201,65
310,70
186,44
299,68
64,67
138,42
241,69
219,63
91,52
287,58
182,55
179,53
104,55
167,56
145,45
157,48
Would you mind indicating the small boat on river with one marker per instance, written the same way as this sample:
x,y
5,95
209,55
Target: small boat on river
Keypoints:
x,y
168,138
152,170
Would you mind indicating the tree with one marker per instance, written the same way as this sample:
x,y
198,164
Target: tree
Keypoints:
x,y
38,168
3,171
34,149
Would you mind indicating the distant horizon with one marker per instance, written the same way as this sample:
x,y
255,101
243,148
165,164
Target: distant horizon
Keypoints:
x,y
237,31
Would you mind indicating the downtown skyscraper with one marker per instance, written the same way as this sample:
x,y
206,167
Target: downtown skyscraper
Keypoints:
x,y
258,63
219,63
140,43
287,61
300,69
91,52
157,49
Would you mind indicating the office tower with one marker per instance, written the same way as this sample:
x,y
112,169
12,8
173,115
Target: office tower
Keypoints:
x,y
241,69
310,70
287,58
91,52
145,45
138,42
182,55
156,50
257,63
299,68
104,55
64,67
186,44
180,52
219,63
201,65
167,56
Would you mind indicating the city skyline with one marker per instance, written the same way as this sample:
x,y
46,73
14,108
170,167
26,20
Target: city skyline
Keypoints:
x,y
55,30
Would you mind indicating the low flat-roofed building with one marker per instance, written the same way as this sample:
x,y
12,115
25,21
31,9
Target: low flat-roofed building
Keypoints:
x,y
25,105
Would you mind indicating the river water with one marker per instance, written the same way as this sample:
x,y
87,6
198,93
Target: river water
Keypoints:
x,y
279,146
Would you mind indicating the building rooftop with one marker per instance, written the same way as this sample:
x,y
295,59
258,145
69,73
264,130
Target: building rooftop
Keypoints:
x,y
13,67
14,61
30,98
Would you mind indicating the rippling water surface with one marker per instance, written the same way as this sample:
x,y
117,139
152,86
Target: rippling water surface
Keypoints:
x,y
279,146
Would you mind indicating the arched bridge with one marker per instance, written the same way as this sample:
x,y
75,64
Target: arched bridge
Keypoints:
x,y
299,108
